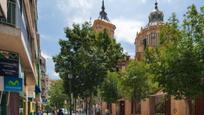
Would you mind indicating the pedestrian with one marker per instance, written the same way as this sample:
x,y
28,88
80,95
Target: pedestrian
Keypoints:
x,y
107,112
39,112
97,111
53,112
47,112
60,112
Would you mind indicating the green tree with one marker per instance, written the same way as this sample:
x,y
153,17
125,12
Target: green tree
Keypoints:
x,y
109,90
87,56
178,62
56,94
136,82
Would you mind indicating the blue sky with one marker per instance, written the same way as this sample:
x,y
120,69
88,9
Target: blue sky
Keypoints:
x,y
128,16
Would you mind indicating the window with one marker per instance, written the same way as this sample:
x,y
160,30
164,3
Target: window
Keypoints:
x,y
36,26
24,80
141,42
11,13
153,38
150,41
145,43
21,5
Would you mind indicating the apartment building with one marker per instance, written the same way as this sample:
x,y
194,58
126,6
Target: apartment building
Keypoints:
x,y
19,37
45,82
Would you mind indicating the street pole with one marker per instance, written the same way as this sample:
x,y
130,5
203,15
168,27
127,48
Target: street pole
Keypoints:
x,y
70,89
70,100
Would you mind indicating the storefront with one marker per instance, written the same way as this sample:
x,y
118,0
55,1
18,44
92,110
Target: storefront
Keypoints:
x,y
11,83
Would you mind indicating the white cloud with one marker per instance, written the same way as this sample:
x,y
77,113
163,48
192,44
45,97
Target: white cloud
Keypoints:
x,y
46,37
126,29
166,0
55,75
84,4
144,1
76,11
45,55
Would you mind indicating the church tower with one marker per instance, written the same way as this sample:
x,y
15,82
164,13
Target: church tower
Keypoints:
x,y
103,22
149,35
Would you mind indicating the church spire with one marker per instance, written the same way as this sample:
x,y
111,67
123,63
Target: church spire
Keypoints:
x,y
103,14
103,6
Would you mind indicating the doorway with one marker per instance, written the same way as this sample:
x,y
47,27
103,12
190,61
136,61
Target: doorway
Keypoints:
x,y
122,108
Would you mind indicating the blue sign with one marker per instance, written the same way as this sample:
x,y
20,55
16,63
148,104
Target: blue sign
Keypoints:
x,y
13,84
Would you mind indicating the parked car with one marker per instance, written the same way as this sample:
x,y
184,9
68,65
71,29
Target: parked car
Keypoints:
x,y
65,111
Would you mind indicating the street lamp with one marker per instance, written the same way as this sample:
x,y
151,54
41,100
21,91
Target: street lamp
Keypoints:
x,y
70,89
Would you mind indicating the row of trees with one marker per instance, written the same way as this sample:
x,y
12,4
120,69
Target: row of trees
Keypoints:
x,y
178,63
57,96
175,66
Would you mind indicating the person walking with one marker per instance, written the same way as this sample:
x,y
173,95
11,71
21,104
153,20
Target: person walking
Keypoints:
x,y
97,111
107,112
39,112
53,113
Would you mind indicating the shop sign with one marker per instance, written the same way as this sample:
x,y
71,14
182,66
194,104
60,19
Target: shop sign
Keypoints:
x,y
13,84
9,63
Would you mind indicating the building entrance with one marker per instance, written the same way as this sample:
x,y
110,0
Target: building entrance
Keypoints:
x,y
122,108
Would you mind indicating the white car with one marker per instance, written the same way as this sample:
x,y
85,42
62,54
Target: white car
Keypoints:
x,y
65,111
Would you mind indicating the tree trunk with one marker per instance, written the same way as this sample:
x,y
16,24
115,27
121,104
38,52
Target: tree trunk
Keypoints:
x,y
86,106
75,104
70,105
133,106
90,100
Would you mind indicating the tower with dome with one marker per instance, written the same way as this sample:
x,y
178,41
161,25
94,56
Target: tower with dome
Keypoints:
x,y
149,35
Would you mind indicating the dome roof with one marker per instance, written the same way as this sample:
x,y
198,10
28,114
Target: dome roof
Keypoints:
x,y
156,16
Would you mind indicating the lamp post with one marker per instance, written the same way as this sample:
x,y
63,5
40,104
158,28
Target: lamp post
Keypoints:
x,y
70,89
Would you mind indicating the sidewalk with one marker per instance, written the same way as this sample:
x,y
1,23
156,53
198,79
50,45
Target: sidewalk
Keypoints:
x,y
46,114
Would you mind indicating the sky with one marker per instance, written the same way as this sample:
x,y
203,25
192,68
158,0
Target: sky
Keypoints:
x,y
128,16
